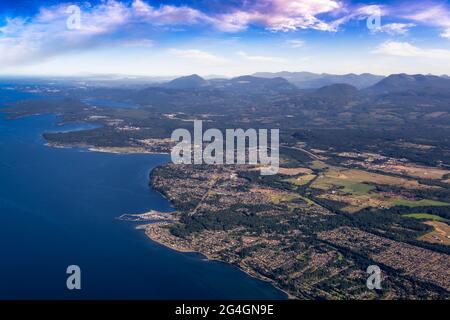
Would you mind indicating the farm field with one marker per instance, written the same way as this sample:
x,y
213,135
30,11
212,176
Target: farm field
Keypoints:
x,y
426,216
440,234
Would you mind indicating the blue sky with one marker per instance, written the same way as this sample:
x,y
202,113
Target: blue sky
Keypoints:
x,y
169,38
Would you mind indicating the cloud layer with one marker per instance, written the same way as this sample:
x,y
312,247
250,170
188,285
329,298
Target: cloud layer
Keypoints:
x,y
112,23
405,49
51,32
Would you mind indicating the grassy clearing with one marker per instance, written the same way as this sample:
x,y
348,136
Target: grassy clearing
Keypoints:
x,y
357,188
294,171
316,164
302,180
418,203
283,197
440,234
345,185
426,216
343,177
356,202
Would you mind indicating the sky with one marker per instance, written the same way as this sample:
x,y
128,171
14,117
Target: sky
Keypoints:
x,y
226,38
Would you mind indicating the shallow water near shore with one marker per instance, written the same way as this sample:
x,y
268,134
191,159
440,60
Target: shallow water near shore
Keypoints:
x,y
58,208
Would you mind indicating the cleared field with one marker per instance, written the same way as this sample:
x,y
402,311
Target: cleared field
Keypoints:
x,y
302,180
357,188
415,171
283,197
419,203
426,216
294,171
342,177
440,234
316,164
275,196
356,202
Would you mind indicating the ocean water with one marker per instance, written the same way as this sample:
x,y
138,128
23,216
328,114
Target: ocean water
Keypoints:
x,y
58,208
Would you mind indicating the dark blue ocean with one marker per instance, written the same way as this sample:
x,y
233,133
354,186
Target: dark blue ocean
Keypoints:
x,y
58,208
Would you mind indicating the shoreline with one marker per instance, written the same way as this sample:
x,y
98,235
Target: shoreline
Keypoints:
x,y
150,216
113,150
132,150
187,249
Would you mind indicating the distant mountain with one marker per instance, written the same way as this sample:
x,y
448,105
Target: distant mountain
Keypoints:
x,y
242,84
188,82
252,84
290,76
194,90
332,96
338,90
308,80
414,84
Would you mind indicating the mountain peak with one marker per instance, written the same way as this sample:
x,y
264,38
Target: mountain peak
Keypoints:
x,y
308,80
187,82
253,83
404,82
337,90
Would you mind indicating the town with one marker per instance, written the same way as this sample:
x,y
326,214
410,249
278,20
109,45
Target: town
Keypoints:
x,y
237,150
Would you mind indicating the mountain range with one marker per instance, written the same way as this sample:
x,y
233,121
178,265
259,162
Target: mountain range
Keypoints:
x,y
404,83
243,83
309,80
333,85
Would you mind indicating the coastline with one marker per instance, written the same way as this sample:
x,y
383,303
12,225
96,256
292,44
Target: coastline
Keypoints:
x,y
176,247
150,216
124,150
114,150
179,247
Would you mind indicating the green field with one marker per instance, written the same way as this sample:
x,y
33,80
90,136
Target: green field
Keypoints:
x,y
357,188
302,180
284,197
426,216
420,203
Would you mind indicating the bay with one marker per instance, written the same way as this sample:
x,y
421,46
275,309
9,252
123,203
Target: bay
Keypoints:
x,y
58,208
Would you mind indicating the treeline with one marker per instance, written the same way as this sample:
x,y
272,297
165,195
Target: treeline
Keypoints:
x,y
383,141
229,219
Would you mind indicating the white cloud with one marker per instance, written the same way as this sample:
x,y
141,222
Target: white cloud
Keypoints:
x,y
199,55
434,15
140,43
405,49
446,33
281,15
109,23
358,13
261,58
167,14
396,28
